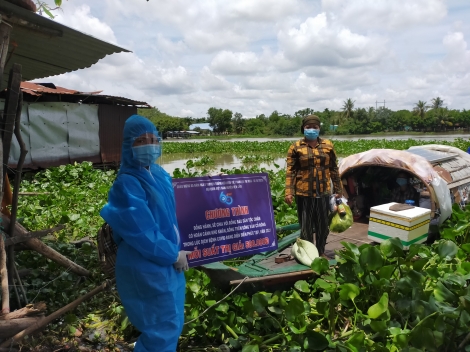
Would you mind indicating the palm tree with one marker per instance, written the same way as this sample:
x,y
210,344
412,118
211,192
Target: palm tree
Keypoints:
x,y
348,107
437,103
420,109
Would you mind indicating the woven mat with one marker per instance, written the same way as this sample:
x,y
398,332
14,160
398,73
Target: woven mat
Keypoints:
x,y
400,207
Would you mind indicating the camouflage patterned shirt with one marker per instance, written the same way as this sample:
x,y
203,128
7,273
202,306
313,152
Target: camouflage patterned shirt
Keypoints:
x,y
309,170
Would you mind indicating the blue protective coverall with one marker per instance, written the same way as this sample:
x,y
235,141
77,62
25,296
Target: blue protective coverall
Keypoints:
x,y
141,211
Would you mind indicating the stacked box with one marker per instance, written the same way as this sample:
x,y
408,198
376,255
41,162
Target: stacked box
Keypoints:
x,y
410,226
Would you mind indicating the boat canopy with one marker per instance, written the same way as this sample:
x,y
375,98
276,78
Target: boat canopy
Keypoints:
x,y
409,161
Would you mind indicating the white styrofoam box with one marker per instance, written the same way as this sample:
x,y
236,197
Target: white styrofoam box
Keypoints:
x,y
410,226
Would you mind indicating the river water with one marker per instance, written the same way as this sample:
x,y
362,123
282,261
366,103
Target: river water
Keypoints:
x,y
228,161
449,136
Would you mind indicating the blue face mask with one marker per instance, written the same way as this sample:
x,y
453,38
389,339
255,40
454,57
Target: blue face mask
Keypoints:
x,y
147,154
311,133
402,181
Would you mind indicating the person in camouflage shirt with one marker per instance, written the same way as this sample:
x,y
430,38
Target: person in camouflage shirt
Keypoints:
x,y
311,168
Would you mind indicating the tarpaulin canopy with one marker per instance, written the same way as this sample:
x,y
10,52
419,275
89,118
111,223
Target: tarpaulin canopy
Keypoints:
x,y
399,159
404,160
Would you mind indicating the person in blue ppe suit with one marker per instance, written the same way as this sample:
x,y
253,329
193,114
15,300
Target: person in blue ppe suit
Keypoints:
x,y
149,264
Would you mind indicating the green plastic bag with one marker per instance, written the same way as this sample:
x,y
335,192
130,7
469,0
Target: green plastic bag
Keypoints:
x,y
340,223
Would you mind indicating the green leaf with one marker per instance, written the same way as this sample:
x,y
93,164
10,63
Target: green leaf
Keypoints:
x,y
46,10
378,325
275,310
315,341
294,309
357,339
392,248
422,337
442,293
210,303
320,265
222,307
302,286
465,302
447,249
371,259
296,331
125,323
259,301
250,348
350,252
193,286
466,247
386,271
323,284
379,308
349,291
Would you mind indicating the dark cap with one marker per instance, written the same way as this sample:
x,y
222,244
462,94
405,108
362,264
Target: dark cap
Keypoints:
x,y
313,119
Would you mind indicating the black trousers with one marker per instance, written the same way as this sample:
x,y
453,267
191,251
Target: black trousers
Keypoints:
x,y
313,217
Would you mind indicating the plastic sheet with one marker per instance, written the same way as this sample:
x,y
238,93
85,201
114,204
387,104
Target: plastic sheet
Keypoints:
x,y
440,189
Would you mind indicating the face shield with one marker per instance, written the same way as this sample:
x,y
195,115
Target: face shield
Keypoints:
x,y
146,148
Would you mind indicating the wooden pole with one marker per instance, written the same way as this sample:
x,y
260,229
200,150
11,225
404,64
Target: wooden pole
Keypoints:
x,y
33,234
36,245
4,274
8,125
5,30
9,328
31,310
4,43
55,315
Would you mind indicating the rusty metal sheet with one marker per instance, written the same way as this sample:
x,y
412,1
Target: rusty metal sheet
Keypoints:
x,y
111,120
443,173
38,89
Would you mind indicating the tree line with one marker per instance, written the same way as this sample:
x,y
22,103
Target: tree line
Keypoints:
x,y
424,117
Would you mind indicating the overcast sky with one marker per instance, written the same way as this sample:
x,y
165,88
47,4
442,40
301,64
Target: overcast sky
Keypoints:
x,y
256,56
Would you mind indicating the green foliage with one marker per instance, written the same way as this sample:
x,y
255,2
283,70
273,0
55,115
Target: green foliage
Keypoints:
x,y
377,298
164,122
71,195
343,148
373,300
220,120
42,6
238,123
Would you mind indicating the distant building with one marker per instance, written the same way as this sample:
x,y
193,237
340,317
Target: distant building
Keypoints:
x,y
202,127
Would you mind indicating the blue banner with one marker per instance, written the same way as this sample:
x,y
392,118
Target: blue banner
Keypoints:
x,y
223,217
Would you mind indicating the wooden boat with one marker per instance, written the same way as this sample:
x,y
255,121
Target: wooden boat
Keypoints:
x,y
443,177
276,269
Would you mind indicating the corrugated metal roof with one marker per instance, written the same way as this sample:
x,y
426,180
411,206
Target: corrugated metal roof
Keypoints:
x,y
458,167
50,92
38,90
46,48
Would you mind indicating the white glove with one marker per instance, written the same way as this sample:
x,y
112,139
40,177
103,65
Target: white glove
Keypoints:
x,y
182,261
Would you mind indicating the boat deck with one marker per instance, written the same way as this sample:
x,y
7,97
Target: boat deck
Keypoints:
x,y
356,234
262,270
